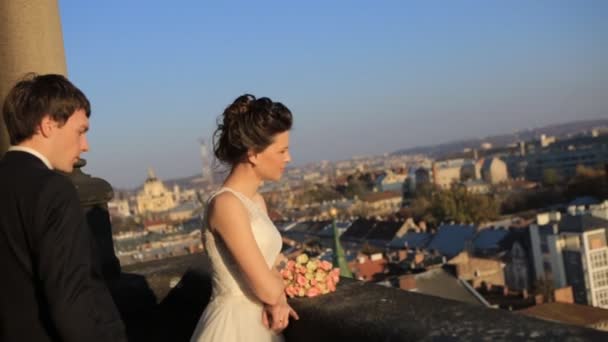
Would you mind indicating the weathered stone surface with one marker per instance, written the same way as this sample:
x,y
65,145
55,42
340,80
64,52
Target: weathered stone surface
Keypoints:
x,y
367,312
30,41
94,194
357,311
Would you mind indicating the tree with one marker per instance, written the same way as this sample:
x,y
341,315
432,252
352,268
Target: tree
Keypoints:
x,y
434,205
354,188
551,178
588,182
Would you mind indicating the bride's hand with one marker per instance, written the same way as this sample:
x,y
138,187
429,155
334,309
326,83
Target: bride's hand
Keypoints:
x,y
276,317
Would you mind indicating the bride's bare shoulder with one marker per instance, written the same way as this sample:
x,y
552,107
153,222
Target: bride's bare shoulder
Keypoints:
x,y
226,202
259,200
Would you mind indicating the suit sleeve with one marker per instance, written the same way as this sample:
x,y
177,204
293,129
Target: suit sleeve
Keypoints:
x,y
80,304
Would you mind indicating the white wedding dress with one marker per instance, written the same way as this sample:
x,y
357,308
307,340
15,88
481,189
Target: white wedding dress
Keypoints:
x,y
234,313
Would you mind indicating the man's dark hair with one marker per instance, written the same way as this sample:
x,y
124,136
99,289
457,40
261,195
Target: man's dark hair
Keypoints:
x,y
36,96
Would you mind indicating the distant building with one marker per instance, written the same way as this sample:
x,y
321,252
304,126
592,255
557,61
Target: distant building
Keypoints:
x,y
519,269
186,195
367,267
448,172
313,176
451,239
422,176
390,181
471,170
573,314
156,226
381,203
375,232
494,171
440,282
573,251
546,225
487,241
476,187
119,207
183,211
478,271
546,140
154,197
563,157
411,240
599,210
486,145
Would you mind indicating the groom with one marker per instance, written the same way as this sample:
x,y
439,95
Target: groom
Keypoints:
x,y
52,288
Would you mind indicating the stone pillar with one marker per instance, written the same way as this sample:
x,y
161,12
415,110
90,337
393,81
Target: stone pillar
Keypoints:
x,y
95,193
30,41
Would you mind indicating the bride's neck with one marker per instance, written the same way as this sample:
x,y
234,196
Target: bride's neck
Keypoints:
x,y
243,179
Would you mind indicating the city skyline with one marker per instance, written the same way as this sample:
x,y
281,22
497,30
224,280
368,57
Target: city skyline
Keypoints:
x,y
378,77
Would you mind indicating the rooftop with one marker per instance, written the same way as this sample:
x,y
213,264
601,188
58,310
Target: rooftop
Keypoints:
x,y
581,223
441,283
412,240
576,314
450,239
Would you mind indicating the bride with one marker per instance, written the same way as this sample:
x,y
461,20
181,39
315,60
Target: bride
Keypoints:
x,y
248,301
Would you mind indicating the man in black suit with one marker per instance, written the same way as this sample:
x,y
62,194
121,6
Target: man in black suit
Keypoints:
x,y
51,288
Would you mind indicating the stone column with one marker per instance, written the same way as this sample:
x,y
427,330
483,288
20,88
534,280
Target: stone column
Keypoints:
x,y
95,193
30,41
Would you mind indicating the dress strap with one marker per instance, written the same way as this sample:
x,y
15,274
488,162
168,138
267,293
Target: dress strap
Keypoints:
x,y
247,202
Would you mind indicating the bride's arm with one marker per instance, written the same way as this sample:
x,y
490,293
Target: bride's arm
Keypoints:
x,y
281,260
229,218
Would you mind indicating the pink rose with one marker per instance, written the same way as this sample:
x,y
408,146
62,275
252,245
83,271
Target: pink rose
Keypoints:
x,y
326,266
301,269
301,280
291,265
313,282
331,284
313,292
291,291
335,275
286,274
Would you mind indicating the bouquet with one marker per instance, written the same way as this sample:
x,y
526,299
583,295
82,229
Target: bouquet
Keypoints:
x,y
309,277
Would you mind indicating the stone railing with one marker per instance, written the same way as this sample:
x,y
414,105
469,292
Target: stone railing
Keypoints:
x,y
357,311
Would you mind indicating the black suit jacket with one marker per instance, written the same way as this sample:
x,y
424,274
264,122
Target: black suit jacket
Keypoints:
x,y
51,288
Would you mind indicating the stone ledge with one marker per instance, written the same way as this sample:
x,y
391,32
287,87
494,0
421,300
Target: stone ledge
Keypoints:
x,y
367,312
357,311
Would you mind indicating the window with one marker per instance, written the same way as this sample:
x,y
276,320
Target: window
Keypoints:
x,y
599,259
600,278
601,298
597,240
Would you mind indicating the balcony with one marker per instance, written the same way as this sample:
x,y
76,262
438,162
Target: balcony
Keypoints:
x,y
357,311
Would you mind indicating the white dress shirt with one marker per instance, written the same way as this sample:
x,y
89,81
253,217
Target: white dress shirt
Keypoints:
x,y
32,152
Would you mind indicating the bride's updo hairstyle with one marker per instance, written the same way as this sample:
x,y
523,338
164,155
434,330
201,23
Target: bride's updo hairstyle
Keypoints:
x,y
248,123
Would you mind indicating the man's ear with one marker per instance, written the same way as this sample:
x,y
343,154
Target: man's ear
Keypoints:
x,y
47,126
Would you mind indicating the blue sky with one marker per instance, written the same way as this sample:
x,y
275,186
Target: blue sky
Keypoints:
x,y
361,77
